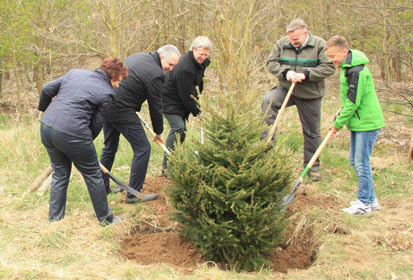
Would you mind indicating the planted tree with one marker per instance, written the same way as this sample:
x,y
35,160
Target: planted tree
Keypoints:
x,y
227,194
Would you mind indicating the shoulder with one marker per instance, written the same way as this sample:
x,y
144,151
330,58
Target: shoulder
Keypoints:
x,y
283,42
316,40
355,70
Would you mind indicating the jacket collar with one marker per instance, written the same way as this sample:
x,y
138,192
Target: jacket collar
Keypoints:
x,y
103,75
310,42
347,61
156,57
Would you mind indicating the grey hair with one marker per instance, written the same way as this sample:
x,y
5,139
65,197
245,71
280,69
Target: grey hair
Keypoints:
x,y
201,42
168,50
296,24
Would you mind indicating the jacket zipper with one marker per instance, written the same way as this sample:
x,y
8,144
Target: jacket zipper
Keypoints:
x,y
357,113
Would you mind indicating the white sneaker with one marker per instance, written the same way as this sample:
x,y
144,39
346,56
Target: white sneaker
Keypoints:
x,y
357,208
374,205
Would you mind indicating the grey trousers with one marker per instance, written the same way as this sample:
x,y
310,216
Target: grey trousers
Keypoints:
x,y
309,111
178,128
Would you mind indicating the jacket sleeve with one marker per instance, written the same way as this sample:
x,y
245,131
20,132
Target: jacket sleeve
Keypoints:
x,y
155,104
49,91
356,83
273,62
324,69
187,92
98,117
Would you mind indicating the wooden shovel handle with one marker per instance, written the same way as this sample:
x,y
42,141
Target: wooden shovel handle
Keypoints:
x,y
280,113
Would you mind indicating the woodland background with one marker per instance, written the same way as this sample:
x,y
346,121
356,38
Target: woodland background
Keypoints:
x,y
42,39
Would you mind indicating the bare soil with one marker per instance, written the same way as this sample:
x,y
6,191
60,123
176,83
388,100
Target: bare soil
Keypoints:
x,y
158,242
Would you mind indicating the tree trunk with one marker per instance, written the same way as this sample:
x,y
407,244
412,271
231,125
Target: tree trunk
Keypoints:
x,y
41,43
18,83
1,84
114,50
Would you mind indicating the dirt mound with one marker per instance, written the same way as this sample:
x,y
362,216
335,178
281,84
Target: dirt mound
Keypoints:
x,y
161,247
149,243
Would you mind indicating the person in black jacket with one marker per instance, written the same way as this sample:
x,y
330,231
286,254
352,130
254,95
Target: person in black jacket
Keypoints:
x,y
179,93
146,76
71,118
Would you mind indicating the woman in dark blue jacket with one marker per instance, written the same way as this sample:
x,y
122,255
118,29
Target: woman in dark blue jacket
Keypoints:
x,y
72,118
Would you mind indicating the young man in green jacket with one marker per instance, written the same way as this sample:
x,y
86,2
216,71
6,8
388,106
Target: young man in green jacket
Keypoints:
x,y
361,113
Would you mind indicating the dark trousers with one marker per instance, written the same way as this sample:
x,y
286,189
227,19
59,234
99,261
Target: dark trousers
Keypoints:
x,y
178,129
63,149
309,111
135,134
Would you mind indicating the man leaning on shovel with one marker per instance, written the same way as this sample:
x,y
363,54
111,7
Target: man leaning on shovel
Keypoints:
x,y
299,59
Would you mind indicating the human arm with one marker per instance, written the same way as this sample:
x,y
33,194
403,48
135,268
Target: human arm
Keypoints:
x,y
274,65
324,68
155,104
351,102
49,91
187,92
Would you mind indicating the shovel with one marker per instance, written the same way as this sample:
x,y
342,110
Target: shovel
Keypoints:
x,y
290,197
141,196
152,133
280,112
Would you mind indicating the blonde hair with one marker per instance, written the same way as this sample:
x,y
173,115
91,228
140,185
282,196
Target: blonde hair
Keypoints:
x,y
338,42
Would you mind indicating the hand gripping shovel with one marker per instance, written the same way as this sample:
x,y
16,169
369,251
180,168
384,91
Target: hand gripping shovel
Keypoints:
x,y
290,197
152,133
280,112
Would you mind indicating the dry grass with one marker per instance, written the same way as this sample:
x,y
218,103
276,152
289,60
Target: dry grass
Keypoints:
x,y
377,246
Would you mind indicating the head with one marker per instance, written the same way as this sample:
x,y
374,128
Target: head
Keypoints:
x,y
297,32
169,56
115,69
337,49
201,47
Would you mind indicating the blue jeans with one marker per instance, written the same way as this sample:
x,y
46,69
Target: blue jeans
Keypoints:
x,y
361,146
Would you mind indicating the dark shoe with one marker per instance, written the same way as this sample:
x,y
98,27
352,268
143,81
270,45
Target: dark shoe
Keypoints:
x,y
108,191
115,220
315,176
164,173
143,198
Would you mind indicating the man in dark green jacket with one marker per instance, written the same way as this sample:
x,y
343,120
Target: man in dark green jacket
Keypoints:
x,y
361,113
299,57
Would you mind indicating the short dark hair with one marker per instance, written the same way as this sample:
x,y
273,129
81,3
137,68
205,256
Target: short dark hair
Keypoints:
x,y
338,42
114,68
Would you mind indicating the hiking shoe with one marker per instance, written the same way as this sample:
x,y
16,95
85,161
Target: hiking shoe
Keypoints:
x,y
144,198
315,176
163,174
357,208
115,220
374,205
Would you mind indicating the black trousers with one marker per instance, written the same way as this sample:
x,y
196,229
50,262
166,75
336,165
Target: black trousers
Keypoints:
x,y
63,149
309,111
135,134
